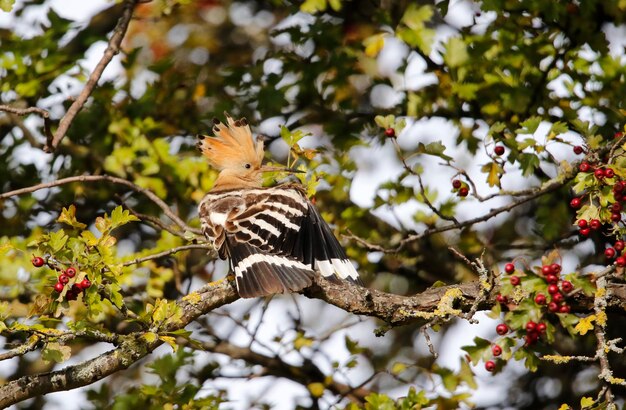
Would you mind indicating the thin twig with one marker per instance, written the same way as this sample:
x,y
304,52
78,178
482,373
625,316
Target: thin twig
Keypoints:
x,y
95,178
30,110
421,184
150,219
112,49
21,350
166,253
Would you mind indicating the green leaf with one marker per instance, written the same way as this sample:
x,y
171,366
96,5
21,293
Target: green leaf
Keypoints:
x,y
57,240
415,16
531,361
477,350
434,148
55,352
120,217
456,52
529,126
529,163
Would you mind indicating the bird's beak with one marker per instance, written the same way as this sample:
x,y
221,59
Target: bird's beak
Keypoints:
x,y
267,168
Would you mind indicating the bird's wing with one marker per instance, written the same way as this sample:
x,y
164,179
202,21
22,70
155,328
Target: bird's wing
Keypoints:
x,y
275,238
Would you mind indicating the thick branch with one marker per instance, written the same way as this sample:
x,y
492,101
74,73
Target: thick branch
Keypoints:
x,y
393,309
112,49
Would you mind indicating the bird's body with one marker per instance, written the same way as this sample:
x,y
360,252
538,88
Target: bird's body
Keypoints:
x,y
274,237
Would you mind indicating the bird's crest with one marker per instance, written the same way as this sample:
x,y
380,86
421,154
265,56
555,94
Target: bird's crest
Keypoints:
x,y
231,145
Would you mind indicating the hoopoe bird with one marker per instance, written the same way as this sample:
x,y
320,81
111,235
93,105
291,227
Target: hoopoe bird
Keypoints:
x,y
275,238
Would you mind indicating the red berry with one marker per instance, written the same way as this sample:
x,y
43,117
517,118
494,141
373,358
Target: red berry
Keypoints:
x,y
540,299
578,150
609,173
620,261
71,271
541,327
616,207
58,287
515,280
584,167
585,232
553,307
63,278
575,203
456,184
502,329
71,295
566,286
85,283
618,187
509,268
616,217
531,338
390,132
546,270
531,326
501,299
552,289
552,278
609,253
37,261
490,365
564,309
582,223
618,134
463,191
556,268
599,173
496,350
499,150
558,298
619,246
595,224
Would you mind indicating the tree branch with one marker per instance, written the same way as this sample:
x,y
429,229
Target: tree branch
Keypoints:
x,y
395,310
115,180
112,49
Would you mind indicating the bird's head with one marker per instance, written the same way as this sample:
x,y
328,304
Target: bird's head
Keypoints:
x,y
236,154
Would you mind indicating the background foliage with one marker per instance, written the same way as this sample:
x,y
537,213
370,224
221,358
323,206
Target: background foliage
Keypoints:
x,y
451,80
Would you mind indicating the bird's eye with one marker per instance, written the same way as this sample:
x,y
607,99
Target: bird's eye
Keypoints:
x,y
248,166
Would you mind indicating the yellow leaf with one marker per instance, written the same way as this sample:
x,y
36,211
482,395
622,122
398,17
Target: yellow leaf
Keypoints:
x,y
586,402
150,337
585,324
170,341
398,368
302,341
374,44
494,171
316,389
564,407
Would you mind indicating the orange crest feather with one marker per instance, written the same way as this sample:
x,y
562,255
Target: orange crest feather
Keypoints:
x,y
231,145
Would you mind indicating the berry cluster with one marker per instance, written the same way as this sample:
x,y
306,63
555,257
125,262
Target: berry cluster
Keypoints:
x,y
64,279
461,188
607,196
549,296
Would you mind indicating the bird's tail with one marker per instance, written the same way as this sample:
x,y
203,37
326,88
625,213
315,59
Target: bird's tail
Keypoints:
x,y
262,274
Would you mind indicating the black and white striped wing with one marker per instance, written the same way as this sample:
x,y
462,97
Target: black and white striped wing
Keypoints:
x,y
275,239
